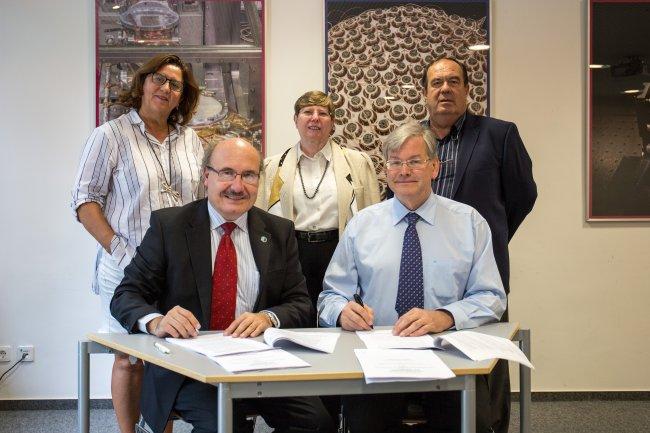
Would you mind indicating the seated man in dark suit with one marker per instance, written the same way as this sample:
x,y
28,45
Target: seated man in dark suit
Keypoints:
x,y
218,263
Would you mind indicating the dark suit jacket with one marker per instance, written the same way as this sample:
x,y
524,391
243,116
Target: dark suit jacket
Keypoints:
x,y
494,175
173,266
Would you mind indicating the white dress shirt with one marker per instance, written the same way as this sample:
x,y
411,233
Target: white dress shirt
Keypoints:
x,y
321,212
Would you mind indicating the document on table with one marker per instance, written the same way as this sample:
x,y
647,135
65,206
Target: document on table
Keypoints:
x,y
321,341
384,339
217,344
479,347
401,365
266,360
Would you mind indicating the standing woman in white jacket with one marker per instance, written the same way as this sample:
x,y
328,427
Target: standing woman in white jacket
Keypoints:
x,y
317,184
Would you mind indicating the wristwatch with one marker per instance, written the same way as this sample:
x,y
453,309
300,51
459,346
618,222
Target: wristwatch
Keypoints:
x,y
272,318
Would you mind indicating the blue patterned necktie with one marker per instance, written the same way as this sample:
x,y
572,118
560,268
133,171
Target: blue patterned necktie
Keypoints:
x,y
410,289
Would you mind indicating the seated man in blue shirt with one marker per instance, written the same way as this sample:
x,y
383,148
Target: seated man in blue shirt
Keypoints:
x,y
421,263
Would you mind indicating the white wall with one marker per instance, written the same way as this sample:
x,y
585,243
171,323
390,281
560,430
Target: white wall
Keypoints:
x,y
580,287
46,112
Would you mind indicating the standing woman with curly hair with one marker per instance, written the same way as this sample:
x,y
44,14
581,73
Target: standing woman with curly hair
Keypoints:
x,y
144,160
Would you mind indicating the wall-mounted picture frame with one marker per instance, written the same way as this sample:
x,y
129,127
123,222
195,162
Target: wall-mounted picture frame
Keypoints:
x,y
222,40
377,52
618,110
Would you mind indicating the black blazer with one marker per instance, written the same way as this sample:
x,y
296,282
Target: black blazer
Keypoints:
x,y
494,175
173,266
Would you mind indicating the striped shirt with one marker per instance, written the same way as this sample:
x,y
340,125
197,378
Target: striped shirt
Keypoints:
x,y
448,154
119,171
248,278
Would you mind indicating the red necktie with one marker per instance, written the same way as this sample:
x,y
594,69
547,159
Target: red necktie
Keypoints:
x,y
224,281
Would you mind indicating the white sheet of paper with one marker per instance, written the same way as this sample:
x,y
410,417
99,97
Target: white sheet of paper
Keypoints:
x,y
266,360
479,347
321,341
217,344
401,365
384,339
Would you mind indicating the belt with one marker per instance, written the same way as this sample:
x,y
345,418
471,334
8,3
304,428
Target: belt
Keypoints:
x,y
316,237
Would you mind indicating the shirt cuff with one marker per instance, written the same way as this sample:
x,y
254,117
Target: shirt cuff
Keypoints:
x,y
275,318
461,319
142,321
330,311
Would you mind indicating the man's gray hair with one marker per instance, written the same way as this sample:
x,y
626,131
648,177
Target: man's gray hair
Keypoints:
x,y
412,128
209,149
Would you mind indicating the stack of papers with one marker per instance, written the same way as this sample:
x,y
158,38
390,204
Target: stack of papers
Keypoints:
x,y
265,360
401,365
384,339
245,354
218,344
479,347
474,345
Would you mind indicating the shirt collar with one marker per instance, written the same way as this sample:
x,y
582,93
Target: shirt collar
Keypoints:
x,y
216,219
326,152
426,211
455,130
135,119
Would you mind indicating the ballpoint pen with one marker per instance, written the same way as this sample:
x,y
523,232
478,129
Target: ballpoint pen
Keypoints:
x,y
162,348
359,301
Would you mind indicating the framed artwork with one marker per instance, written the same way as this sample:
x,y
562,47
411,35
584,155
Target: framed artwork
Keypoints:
x,y
222,40
618,120
377,52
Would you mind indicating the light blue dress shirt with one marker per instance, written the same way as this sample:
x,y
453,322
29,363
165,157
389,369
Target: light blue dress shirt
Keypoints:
x,y
460,273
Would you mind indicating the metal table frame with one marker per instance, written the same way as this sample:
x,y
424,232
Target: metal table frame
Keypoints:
x,y
233,390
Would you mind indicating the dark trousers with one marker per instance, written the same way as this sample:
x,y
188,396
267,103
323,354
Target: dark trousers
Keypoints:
x,y
196,403
314,259
442,410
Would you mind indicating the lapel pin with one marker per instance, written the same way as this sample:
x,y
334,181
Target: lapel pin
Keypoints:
x,y
264,239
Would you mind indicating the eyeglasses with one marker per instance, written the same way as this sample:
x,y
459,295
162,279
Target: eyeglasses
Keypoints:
x,y
413,164
228,175
160,80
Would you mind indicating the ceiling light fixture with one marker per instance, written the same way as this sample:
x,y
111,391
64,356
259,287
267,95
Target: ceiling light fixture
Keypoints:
x,y
631,91
597,66
479,47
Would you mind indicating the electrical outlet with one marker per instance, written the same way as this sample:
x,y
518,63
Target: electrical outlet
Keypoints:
x,y
29,350
5,353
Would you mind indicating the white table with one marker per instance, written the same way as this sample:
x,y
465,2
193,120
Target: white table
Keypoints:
x,y
330,374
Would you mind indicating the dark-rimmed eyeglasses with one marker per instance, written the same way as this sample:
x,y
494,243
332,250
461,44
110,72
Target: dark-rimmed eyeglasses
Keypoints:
x,y
160,80
413,164
228,175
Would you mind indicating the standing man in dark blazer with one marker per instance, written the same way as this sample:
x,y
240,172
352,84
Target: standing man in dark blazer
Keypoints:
x,y
218,263
483,164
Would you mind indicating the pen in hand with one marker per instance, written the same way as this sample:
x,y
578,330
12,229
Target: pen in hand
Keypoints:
x,y
359,301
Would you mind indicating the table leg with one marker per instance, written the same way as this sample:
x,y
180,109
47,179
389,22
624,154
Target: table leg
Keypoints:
x,y
225,408
468,403
524,383
83,392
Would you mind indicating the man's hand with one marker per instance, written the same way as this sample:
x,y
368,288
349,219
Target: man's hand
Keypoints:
x,y
419,322
177,323
248,325
354,317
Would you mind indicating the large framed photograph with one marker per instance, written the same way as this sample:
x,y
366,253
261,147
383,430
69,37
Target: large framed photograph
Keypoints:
x,y
222,40
377,52
618,125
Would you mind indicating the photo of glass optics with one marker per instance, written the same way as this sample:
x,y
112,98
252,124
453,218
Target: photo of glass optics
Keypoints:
x,y
220,39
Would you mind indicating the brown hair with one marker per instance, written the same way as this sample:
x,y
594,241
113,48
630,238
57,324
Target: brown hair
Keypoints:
x,y
189,97
314,97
